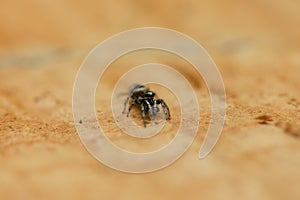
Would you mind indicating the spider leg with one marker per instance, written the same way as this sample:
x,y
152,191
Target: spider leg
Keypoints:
x,y
131,105
125,103
164,107
143,114
151,111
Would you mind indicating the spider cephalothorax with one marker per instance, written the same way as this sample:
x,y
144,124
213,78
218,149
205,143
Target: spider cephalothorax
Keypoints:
x,y
145,99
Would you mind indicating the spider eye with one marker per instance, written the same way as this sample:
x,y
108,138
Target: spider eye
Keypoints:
x,y
150,94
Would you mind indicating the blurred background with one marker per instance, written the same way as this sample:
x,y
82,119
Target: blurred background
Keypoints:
x,y
256,46
43,28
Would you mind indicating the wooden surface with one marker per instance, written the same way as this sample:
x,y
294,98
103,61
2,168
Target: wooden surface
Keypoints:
x,y
256,46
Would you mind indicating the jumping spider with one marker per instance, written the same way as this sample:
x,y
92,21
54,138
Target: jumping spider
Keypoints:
x,y
143,97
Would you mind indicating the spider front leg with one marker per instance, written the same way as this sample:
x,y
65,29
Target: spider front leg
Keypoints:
x,y
143,114
125,103
129,109
151,110
164,107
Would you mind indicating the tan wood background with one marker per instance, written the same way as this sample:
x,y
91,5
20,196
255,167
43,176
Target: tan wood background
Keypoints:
x,y
256,46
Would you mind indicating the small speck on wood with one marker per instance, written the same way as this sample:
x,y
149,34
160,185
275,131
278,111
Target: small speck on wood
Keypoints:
x,y
264,119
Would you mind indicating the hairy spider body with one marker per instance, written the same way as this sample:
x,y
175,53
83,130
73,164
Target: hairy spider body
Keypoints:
x,y
143,97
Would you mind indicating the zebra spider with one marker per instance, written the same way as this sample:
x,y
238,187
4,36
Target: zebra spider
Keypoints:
x,y
145,99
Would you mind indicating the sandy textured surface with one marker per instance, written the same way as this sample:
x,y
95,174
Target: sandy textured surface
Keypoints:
x,y
256,46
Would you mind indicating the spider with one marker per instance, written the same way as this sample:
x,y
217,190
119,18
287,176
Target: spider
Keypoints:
x,y
143,97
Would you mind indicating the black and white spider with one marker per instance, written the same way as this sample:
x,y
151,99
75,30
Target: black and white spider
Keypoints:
x,y
143,97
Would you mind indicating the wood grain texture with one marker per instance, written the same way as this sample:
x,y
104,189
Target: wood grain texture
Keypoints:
x,y
256,47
